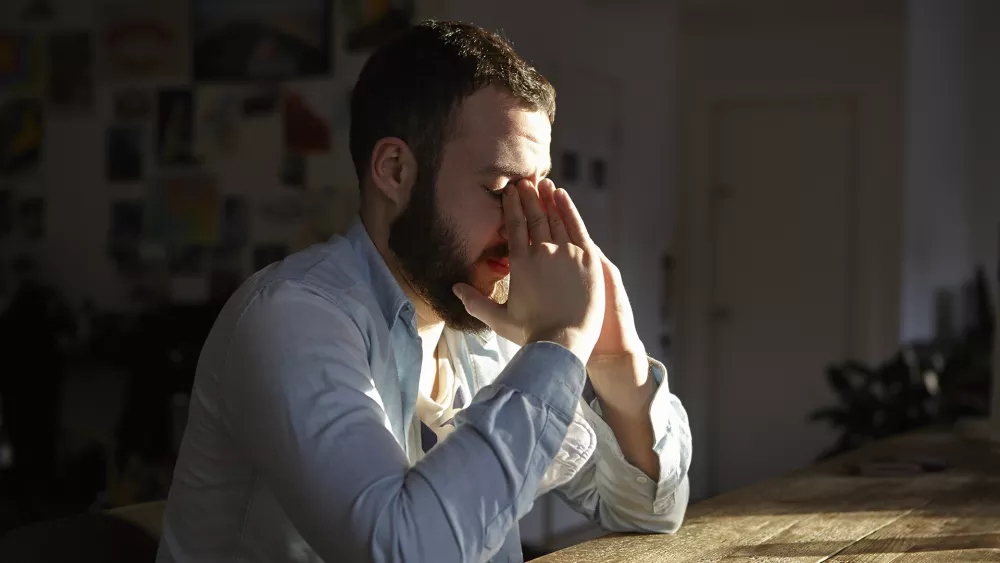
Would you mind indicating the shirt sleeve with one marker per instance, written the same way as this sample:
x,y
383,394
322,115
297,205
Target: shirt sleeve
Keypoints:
x,y
619,496
300,403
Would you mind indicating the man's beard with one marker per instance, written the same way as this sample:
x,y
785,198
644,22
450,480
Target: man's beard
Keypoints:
x,y
433,259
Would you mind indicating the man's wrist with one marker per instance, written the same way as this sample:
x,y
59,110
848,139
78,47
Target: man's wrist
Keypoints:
x,y
623,383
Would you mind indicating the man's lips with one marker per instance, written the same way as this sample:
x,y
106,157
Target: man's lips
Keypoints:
x,y
499,265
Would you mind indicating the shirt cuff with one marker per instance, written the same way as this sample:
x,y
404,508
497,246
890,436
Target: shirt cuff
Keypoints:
x,y
627,476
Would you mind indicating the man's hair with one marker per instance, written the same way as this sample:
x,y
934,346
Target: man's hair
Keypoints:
x,y
411,88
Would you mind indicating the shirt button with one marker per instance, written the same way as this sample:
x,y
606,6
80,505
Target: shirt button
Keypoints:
x,y
642,479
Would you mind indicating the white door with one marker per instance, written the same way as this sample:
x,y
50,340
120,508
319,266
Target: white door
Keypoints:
x,y
782,214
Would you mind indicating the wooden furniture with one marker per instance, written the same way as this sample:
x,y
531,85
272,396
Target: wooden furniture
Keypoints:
x,y
128,534
948,509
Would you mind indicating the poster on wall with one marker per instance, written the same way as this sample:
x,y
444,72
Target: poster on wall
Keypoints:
x,y
20,64
306,130
71,72
184,209
374,22
124,154
293,170
140,40
235,222
20,135
175,127
125,234
236,40
218,122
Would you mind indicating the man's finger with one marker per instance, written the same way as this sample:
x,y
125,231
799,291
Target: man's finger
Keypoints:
x,y
517,229
480,306
571,218
538,223
547,192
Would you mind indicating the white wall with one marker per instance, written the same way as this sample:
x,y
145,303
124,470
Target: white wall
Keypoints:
x,y
952,200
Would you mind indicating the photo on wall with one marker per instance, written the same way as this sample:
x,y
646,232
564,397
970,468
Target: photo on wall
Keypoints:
x,y
125,234
183,209
235,222
240,40
20,64
306,130
141,40
21,135
124,154
175,127
71,71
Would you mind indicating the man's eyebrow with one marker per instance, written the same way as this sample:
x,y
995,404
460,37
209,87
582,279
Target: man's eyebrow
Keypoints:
x,y
500,170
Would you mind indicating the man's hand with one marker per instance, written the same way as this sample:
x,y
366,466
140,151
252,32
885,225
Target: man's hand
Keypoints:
x,y
618,366
556,278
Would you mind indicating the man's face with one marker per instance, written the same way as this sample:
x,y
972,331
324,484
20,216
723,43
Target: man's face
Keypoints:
x,y
454,232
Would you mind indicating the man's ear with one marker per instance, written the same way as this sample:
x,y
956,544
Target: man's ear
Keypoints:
x,y
393,171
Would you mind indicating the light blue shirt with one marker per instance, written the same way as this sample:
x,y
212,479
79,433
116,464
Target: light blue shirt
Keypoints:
x,y
300,446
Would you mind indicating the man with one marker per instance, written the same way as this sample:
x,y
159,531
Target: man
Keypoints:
x,y
405,392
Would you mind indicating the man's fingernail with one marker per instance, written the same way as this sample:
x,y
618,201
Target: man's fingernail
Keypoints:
x,y
457,292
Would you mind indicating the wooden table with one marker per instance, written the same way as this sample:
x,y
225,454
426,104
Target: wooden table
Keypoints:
x,y
826,513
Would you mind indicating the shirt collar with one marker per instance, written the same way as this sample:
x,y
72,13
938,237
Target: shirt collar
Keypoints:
x,y
390,297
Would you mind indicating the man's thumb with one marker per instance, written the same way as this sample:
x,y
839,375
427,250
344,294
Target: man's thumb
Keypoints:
x,y
478,305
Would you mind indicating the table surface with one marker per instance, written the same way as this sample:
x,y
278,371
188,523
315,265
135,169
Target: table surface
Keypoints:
x,y
826,513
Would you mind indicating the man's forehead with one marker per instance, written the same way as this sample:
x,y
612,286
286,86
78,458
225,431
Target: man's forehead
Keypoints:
x,y
500,132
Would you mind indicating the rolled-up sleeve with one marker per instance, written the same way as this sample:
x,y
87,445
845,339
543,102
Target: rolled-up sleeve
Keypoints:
x,y
300,403
619,496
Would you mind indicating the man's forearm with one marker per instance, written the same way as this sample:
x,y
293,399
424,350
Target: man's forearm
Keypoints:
x,y
625,390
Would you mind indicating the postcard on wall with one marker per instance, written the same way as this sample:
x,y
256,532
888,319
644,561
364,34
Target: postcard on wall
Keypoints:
x,y
236,40
21,135
371,23
133,104
184,209
31,217
71,71
140,40
293,170
307,130
124,154
125,234
20,64
218,122
175,127
235,221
